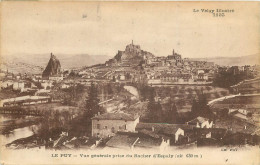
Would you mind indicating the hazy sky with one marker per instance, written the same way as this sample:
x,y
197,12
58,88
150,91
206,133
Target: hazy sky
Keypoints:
x,y
104,28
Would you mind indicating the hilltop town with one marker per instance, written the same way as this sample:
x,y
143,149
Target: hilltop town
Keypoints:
x,y
135,100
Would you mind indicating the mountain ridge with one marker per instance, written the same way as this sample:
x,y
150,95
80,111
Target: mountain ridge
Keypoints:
x,y
27,62
68,61
252,59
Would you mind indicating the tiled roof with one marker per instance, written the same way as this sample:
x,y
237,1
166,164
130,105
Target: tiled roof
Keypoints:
x,y
126,140
212,130
149,133
115,116
199,119
122,141
162,127
148,142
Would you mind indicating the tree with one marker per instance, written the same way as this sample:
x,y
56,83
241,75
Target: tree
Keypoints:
x,y
145,92
73,74
119,88
109,89
195,108
202,100
181,91
189,96
72,94
181,103
114,79
216,95
227,78
38,85
154,108
128,76
52,124
223,93
223,112
175,89
208,88
200,107
249,114
151,102
171,113
189,90
92,108
92,102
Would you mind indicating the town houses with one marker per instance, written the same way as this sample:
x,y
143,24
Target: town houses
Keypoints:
x,y
138,66
131,89
124,131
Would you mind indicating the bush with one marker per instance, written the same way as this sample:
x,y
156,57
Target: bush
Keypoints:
x,y
223,93
208,88
216,95
189,90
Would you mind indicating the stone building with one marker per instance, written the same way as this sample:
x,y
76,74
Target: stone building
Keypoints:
x,y
201,122
108,124
175,56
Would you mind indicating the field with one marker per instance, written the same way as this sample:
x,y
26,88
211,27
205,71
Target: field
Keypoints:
x,y
253,99
6,94
183,95
236,124
188,90
251,103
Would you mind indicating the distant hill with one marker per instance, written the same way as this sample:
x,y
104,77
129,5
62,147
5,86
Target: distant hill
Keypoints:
x,y
21,67
35,63
233,61
81,60
67,61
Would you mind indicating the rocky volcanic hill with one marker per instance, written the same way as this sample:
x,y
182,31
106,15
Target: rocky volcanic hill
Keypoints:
x,y
132,56
53,68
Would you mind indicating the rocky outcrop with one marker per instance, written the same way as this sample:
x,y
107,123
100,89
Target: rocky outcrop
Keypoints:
x,y
133,55
53,68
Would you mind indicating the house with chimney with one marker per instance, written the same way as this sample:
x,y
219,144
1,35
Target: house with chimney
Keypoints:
x,y
201,122
176,133
108,124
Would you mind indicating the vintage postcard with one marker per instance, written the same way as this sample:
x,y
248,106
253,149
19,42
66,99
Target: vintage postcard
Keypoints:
x,y
129,82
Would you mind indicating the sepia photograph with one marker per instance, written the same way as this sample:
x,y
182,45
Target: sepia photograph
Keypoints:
x,y
129,82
